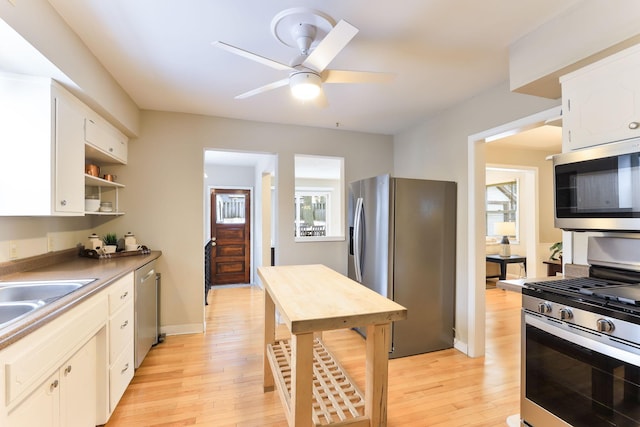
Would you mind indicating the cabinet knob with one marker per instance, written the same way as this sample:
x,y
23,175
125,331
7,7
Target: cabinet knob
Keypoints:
x,y
126,367
67,370
123,296
63,202
111,149
53,385
124,325
634,125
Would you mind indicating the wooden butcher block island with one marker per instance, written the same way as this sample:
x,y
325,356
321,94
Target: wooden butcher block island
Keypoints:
x,y
312,385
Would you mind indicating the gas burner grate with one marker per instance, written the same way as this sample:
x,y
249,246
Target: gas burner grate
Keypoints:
x,y
578,284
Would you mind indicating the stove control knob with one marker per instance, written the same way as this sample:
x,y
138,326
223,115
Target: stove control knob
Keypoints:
x,y
566,313
544,308
604,325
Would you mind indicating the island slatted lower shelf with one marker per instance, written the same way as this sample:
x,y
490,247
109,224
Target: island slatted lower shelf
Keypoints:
x,y
337,401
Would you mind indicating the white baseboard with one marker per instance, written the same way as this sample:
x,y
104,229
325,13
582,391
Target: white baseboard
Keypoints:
x,y
460,346
192,328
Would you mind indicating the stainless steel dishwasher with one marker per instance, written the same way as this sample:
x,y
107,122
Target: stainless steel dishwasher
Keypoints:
x,y
146,310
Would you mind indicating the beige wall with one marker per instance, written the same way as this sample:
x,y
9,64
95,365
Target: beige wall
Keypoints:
x,y
166,208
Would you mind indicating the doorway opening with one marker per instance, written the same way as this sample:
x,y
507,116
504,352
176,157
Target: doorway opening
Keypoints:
x,y
245,181
476,259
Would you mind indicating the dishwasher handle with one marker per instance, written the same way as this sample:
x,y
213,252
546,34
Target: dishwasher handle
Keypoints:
x,y
149,274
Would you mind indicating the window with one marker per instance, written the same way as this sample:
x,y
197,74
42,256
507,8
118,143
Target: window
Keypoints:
x,y
501,205
311,213
318,200
230,208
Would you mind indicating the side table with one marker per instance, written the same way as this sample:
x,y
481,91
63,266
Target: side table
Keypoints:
x,y
504,260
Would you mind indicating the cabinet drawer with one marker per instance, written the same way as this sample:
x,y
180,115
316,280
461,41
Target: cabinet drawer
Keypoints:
x,y
120,293
120,331
120,375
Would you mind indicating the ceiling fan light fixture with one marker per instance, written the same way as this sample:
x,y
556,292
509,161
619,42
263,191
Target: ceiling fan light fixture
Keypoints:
x,y
305,85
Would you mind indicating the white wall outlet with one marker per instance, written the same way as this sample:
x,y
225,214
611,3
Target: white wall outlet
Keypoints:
x,y
13,249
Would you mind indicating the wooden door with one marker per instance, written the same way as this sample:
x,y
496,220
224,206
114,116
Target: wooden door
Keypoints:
x,y
230,231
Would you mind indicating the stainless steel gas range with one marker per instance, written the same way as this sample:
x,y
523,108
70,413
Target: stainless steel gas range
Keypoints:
x,y
581,343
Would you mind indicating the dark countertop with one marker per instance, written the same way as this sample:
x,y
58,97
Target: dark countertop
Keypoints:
x,y
106,271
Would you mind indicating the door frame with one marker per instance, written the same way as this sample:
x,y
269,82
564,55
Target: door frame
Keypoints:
x,y
476,163
251,222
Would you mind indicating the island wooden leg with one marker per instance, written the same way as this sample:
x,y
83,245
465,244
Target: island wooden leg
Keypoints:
x,y
269,338
301,380
376,371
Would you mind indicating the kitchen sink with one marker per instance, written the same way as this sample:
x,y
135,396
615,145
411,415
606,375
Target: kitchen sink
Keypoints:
x,y
46,291
20,298
10,311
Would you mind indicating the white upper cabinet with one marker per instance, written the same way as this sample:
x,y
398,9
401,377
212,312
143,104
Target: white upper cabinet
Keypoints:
x,y
47,136
42,149
104,142
601,102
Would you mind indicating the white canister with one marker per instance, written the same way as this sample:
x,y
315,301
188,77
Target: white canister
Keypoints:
x,y
130,239
95,241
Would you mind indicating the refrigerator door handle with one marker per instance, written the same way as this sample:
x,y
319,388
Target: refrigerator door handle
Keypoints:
x,y
357,245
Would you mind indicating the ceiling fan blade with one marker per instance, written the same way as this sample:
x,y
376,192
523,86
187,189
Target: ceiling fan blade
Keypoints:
x,y
330,46
343,76
265,88
252,56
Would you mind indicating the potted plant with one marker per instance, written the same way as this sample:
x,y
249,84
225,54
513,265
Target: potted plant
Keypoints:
x,y
110,243
556,251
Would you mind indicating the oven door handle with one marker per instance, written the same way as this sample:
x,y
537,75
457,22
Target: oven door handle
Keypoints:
x,y
600,347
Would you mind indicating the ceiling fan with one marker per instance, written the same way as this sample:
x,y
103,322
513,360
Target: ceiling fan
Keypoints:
x,y
319,40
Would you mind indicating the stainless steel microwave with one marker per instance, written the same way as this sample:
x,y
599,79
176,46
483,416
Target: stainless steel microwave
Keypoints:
x,y
598,188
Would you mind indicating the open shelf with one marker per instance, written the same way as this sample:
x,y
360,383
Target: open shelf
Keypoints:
x,y
94,181
104,186
336,399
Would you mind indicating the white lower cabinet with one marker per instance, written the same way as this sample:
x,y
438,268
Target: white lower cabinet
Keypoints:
x,y
65,399
72,371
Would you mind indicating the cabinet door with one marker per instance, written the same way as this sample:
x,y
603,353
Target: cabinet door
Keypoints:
x,y
40,408
78,388
602,104
105,139
69,158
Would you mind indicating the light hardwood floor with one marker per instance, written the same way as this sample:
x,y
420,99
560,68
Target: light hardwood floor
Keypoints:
x,y
215,379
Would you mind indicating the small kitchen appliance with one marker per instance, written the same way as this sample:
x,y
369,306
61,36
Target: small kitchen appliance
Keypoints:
x,y
598,188
581,342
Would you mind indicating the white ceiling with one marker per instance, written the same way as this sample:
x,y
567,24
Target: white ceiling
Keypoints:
x,y
441,52
542,138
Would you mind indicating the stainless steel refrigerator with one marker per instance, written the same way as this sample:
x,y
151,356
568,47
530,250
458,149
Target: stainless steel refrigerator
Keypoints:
x,y
402,244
